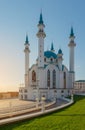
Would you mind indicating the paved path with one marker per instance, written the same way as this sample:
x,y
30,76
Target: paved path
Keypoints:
x,y
58,105
14,102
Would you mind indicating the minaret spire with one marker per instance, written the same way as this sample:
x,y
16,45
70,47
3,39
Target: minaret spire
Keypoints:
x,y
26,41
41,18
72,33
52,47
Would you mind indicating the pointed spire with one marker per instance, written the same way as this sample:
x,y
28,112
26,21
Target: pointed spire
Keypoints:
x,y
60,51
72,33
41,18
27,41
52,47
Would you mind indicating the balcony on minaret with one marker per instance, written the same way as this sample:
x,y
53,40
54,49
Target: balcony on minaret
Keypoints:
x,y
72,37
41,27
26,45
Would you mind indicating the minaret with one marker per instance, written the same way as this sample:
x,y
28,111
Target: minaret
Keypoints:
x,y
41,35
71,56
52,47
26,51
60,59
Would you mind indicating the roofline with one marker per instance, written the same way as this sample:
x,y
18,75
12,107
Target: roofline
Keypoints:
x,y
80,81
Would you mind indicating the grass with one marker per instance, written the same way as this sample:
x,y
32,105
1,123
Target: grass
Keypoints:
x,y
70,118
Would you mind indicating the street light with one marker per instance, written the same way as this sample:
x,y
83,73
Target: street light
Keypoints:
x,y
37,101
55,91
43,103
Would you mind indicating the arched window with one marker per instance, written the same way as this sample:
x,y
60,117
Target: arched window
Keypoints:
x,y
48,78
54,78
33,76
51,60
64,77
45,59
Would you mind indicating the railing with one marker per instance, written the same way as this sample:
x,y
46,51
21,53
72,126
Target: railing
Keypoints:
x,y
21,109
36,114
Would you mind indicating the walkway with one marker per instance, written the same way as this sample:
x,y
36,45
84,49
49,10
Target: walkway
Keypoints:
x,y
37,112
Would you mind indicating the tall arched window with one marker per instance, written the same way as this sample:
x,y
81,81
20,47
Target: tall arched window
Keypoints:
x,y
54,78
48,78
64,77
33,76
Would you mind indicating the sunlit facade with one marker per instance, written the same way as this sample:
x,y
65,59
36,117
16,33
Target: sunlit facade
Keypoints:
x,y
48,77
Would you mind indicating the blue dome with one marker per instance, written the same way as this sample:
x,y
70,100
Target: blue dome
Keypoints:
x,y
49,54
60,51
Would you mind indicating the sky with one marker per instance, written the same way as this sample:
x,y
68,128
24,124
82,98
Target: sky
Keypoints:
x,y
18,17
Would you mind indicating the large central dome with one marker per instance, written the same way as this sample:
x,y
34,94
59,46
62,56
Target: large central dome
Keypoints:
x,y
50,54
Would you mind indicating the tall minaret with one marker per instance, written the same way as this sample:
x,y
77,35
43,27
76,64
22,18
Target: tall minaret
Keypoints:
x,y
41,35
71,56
26,51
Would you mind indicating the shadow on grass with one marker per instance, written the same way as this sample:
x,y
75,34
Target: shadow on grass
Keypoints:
x,y
78,97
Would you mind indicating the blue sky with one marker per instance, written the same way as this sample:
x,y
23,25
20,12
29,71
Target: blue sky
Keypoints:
x,y
20,16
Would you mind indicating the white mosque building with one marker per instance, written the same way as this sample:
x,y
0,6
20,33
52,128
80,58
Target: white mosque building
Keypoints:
x,y
48,77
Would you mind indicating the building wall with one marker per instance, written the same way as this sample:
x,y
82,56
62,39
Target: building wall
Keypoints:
x,y
32,92
7,95
79,87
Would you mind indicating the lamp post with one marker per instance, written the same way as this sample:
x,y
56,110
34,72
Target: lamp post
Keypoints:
x,y
55,95
43,103
37,101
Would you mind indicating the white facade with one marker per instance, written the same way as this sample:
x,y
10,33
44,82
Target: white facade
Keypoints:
x,y
48,77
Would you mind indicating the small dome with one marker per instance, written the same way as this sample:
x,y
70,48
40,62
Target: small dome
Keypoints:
x,y
60,51
50,54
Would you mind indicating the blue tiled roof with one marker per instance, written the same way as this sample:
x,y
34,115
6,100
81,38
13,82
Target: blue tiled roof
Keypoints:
x,y
60,51
41,19
26,42
49,54
72,33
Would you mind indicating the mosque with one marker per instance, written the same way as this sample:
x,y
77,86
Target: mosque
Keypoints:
x,y
48,77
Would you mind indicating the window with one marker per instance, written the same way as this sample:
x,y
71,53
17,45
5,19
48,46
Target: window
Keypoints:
x,y
33,76
25,96
25,90
45,59
51,60
21,96
64,77
62,91
54,79
48,78
20,90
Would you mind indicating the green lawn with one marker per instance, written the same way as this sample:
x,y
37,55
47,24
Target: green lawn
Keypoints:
x,y
71,118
